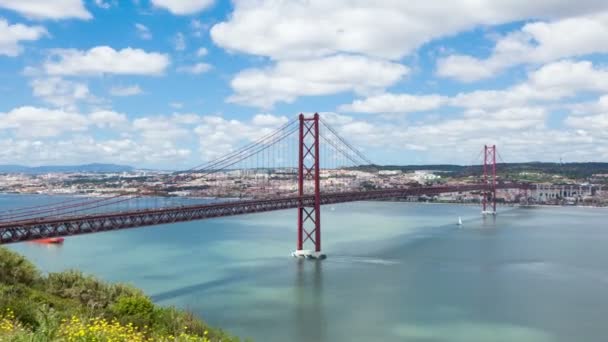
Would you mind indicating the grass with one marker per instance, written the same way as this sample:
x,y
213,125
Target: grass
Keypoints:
x,y
71,306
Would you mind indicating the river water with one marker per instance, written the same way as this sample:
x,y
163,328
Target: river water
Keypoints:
x,y
395,272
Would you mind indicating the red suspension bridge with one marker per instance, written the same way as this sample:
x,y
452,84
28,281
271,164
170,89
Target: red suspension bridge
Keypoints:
x,y
303,164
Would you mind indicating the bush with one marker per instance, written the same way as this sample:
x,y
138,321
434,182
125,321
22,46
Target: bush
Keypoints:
x,y
93,293
138,310
172,321
15,269
70,306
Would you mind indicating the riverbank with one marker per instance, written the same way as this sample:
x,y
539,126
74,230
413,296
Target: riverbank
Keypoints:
x,y
69,306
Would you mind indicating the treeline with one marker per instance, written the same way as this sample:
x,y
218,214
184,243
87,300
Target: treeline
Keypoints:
x,y
70,306
569,170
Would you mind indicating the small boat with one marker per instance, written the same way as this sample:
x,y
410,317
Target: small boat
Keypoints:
x,y
459,221
54,240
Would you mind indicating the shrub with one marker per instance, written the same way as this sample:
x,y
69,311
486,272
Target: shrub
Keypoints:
x,y
70,306
172,321
93,293
15,269
138,310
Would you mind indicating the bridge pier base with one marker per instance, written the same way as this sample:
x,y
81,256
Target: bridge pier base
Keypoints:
x,y
308,254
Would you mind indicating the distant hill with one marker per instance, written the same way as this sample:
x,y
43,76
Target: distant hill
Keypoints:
x,y
573,170
95,167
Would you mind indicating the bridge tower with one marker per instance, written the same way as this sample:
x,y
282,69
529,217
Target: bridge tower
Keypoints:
x,y
309,211
489,179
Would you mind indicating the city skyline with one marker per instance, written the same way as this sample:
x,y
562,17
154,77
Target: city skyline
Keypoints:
x,y
168,84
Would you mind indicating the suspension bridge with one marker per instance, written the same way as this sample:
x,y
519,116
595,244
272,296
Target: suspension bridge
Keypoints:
x,y
301,165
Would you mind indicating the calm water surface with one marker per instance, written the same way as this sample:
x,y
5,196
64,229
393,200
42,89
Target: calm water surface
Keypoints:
x,y
395,272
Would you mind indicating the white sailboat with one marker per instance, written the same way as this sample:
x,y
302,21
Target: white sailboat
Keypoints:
x,y
459,221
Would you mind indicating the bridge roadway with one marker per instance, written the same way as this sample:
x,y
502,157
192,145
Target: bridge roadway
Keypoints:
x,y
32,229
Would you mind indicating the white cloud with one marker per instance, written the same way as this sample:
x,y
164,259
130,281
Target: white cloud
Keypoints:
x,y
158,129
591,107
290,79
219,136
105,60
12,35
198,27
85,149
196,69
42,122
183,7
547,86
202,52
597,122
395,103
179,42
520,133
536,42
126,90
269,120
550,83
354,30
45,9
60,92
387,29
143,31
464,68
186,119
103,4
106,118
591,117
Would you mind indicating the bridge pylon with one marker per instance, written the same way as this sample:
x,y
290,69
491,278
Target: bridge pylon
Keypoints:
x,y
489,179
309,212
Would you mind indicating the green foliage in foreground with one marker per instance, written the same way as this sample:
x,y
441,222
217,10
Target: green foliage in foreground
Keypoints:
x,y
70,306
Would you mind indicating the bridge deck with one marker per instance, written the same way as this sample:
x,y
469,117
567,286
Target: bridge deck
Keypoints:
x,y
32,229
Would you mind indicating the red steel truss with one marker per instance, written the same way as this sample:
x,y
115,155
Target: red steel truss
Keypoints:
x,y
83,224
309,214
489,171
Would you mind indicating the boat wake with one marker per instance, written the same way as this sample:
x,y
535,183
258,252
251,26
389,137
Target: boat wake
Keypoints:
x,y
362,260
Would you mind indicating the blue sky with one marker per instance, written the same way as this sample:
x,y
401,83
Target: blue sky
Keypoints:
x,y
169,84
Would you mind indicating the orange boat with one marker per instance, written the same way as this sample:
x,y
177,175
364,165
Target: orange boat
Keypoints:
x,y
55,240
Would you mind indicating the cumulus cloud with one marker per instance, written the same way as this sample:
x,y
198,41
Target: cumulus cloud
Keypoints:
x,y
103,4
196,69
395,103
143,31
183,7
105,60
290,79
126,90
218,135
269,120
520,133
12,35
198,27
550,83
42,122
179,42
35,135
388,29
86,149
536,42
107,119
44,9
597,123
547,85
60,92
